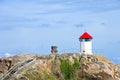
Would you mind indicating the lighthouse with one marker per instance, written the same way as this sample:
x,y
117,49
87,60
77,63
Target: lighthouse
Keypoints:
x,y
86,43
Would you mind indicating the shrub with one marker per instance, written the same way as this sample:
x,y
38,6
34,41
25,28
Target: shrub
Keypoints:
x,y
69,70
66,69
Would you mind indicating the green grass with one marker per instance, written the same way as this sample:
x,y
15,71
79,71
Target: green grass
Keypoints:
x,y
70,70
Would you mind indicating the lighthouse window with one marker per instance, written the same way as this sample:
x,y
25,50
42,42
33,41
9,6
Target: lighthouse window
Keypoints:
x,y
87,39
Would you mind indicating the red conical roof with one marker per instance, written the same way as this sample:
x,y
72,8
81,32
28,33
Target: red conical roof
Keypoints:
x,y
86,35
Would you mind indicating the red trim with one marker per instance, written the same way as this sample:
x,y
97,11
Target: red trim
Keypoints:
x,y
85,35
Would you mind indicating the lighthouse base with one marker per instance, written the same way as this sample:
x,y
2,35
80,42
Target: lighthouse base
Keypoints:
x,y
90,53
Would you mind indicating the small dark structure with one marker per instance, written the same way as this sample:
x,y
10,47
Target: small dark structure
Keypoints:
x,y
54,50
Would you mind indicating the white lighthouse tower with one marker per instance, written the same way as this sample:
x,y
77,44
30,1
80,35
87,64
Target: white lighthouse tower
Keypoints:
x,y
86,43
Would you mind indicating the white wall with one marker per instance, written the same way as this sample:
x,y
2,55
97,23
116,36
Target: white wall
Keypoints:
x,y
86,47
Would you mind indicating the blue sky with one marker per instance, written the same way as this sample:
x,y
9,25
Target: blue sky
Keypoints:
x,y
32,26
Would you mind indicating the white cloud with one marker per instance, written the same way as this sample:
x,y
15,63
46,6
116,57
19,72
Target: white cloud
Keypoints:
x,y
8,54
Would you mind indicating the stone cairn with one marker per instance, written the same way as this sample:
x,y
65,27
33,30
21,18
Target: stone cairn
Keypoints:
x,y
54,52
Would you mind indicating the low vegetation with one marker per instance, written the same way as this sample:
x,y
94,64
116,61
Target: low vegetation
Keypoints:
x,y
69,70
39,74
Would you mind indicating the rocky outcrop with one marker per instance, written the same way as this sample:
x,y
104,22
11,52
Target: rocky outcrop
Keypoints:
x,y
5,65
97,68
117,71
72,66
